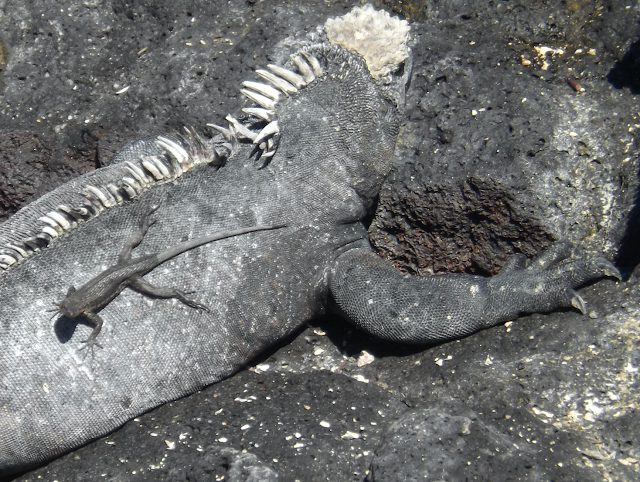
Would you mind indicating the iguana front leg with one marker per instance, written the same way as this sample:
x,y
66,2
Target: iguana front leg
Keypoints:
x,y
373,295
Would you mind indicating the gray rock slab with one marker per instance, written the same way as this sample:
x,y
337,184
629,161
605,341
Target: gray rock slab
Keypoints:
x,y
499,153
450,442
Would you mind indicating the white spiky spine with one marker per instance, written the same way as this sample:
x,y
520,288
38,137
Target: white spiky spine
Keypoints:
x,y
128,180
379,38
374,34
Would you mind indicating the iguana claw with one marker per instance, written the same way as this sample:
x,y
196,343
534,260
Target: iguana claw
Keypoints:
x,y
579,303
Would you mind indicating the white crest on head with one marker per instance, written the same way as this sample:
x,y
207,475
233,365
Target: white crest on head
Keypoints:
x,y
374,34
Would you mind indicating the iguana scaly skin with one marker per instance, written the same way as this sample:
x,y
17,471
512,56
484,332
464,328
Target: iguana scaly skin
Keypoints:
x,y
312,155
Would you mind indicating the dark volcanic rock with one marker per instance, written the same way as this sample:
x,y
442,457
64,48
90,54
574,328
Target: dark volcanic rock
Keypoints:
x,y
451,442
495,157
470,224
505,156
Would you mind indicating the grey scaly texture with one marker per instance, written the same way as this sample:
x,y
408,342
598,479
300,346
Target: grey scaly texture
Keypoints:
x,y
312,155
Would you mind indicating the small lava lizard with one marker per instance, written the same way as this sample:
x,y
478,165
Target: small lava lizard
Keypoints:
x,y
103,288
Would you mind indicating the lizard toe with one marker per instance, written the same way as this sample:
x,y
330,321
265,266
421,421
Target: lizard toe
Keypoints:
x,y
89,343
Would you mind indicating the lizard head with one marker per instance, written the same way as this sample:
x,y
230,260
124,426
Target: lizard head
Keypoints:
x,y
70,306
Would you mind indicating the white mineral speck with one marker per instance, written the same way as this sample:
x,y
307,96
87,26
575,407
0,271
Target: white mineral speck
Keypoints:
x,y
365,358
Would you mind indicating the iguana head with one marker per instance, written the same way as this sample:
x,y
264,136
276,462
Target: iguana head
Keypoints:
x,y
324,121
382,40
335,107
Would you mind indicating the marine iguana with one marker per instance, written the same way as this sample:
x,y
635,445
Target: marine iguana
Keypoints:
x,y
101,290
312,155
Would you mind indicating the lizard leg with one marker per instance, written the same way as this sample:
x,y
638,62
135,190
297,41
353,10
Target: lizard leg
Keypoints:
x,y
137,283
97,326
374,296
136,238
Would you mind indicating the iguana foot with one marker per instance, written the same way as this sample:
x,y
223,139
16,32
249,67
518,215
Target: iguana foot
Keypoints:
x,y
546,282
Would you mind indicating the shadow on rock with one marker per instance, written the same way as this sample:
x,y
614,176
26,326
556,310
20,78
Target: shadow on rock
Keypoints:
x,y
626,72
629,255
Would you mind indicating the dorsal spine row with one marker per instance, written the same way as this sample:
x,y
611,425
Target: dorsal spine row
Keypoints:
x,y
42,222
280,81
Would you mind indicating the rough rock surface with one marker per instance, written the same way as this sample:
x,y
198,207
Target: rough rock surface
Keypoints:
x,y
488,139
480,173
450,442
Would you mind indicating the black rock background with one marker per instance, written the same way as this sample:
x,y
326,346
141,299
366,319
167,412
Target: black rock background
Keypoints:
x,y
480,174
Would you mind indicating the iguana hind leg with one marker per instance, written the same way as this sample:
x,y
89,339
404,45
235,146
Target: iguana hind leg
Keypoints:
x,y
372,294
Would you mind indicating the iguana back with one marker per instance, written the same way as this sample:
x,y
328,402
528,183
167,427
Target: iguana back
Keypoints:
x,y
337,135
